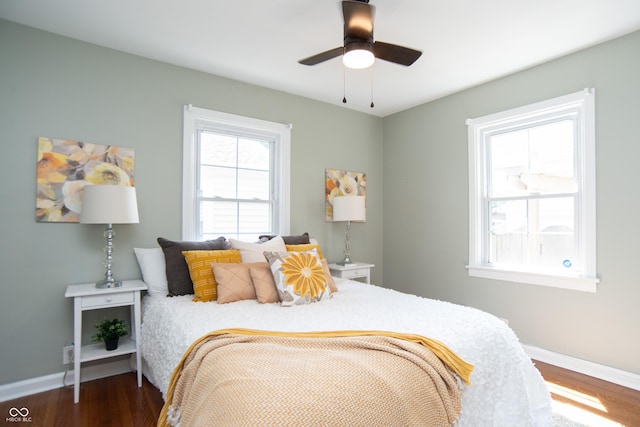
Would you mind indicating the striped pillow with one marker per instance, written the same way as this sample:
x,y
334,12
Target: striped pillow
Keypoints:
x,y
199,262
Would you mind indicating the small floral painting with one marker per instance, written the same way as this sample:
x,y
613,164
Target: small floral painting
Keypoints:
x,y
65,167
342,183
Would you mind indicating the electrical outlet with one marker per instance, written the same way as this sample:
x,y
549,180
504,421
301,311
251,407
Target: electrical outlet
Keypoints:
x,y
67,354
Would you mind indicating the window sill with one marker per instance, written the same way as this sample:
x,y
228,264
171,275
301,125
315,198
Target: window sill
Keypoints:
x,y
576,283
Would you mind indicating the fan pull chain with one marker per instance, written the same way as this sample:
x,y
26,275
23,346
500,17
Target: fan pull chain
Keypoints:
x,y
344,84
372,104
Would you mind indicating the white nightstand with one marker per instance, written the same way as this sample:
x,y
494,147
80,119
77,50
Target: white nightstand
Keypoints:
x,y
352,271
88,297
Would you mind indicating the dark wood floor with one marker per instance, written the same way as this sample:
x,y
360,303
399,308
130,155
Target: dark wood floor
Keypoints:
x,y
116,401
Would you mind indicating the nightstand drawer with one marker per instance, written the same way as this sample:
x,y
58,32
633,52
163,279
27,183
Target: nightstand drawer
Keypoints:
x,y
118,299
360,272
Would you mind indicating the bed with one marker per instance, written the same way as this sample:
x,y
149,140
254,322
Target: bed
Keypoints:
x,y
505,388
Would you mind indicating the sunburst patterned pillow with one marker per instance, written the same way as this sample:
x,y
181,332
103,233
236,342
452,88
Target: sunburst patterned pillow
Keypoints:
x,y
298,276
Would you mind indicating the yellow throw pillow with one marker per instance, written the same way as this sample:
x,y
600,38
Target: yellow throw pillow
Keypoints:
x,y
305,248
199,263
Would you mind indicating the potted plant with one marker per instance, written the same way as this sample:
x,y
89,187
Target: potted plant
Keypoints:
x,y
110,331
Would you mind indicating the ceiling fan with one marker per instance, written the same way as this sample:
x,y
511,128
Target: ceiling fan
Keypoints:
x,y
359,50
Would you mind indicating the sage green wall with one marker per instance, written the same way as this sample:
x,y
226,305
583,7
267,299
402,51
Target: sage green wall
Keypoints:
x,y
426,168
58,87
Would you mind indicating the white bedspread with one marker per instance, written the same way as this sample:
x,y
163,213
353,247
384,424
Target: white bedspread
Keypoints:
x,y
507,389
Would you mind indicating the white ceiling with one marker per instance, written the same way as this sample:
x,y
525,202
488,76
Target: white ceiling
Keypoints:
x,y
464,42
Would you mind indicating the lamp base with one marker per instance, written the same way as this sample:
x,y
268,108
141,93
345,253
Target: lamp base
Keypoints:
x,y
109,283
346,261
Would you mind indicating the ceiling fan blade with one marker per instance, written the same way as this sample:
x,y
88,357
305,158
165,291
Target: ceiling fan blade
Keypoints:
x,y
394,53
358,19
321,57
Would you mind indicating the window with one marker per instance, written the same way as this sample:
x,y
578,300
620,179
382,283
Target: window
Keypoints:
x,y
532,194
235,176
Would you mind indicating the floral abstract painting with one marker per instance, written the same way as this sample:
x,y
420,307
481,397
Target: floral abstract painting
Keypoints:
x,y
65,167
342,183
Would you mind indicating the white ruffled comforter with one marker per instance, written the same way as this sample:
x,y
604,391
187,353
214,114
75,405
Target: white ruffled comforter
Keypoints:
x,y
507,389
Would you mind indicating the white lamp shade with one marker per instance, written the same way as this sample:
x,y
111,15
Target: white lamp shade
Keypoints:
x,y
349,208
109,204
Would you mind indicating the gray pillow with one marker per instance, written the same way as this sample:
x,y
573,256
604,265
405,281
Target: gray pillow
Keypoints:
x,y
178,278
302,239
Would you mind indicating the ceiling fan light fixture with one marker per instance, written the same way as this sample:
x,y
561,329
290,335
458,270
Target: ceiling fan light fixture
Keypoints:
x,y
358,56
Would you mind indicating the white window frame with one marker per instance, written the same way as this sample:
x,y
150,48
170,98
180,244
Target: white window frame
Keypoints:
x,y
196,119
581,103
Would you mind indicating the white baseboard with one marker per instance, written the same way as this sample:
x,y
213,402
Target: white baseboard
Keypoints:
x,y
49,382
612,375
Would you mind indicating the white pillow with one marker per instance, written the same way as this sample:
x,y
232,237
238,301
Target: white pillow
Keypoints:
x,y
252,252
153,269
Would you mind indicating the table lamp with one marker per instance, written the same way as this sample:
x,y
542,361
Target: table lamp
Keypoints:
x,y
109,204
348,208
